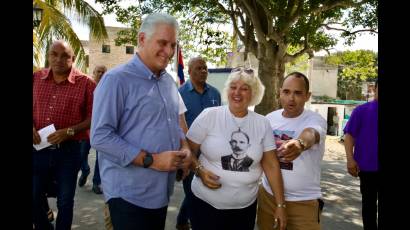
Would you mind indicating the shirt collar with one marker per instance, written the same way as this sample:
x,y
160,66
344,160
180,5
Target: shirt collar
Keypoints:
x,y
191,86
145,71
71,77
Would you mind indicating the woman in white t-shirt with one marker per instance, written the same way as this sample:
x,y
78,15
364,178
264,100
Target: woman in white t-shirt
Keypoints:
x,y
236,146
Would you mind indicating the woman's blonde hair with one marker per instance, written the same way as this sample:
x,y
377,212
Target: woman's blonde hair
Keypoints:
x,y
249,77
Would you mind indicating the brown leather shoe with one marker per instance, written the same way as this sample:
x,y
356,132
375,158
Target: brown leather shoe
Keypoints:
x,y
186,226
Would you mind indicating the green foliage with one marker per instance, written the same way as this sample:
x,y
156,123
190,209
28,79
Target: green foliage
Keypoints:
x,y
355,68
200,31
300,64
323,98
55,25
266,28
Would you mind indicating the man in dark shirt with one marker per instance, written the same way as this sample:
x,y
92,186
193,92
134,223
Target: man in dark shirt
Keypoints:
x,y
197,96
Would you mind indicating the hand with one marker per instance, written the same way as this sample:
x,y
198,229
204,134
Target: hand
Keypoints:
x,y
280,216
290,150
186,160
352,167
36,137
58,136
168,160
209,179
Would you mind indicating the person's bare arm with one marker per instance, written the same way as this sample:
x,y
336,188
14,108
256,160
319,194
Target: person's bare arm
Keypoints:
x,y
292,149
271,168
352,166
208,178
61,135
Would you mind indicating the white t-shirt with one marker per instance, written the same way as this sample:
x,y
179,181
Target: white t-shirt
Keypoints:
x,y
216,130
181,106
302,182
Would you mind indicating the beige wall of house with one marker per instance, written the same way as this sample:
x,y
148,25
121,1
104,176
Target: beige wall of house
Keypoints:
x,y
322,77
116,56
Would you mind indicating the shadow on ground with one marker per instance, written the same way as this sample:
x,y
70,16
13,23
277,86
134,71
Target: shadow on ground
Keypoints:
x,y
340,193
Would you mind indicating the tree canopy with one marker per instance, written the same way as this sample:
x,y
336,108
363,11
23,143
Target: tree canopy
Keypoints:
x,y
268,28
355,68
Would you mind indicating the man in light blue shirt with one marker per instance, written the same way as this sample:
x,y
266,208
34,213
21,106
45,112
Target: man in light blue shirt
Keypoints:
x,y
135,129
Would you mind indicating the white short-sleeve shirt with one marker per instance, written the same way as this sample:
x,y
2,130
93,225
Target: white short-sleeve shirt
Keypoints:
x,y
302,181
217,132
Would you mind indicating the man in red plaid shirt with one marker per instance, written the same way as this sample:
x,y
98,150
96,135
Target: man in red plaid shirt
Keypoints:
x,y
63,96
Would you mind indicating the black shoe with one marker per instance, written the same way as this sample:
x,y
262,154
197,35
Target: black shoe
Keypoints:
x,y
97,189
83,179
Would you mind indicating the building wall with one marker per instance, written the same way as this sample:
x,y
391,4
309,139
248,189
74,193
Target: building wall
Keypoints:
x,y
115,57
322,109
323,78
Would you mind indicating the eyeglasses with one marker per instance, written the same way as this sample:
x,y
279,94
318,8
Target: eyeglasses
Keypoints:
x,y
243,69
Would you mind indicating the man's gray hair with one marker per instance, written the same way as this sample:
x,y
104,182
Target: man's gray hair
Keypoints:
x,y
151,21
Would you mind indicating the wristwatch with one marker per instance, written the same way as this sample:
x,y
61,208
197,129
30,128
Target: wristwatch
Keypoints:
x,y
148,159
302,143
70,132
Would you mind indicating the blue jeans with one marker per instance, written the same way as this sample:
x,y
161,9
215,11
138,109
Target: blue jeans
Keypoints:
x,y
85,150
184,213
96,177
127,216
64,163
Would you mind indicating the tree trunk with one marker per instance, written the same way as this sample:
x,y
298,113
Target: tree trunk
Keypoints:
x,y
271,72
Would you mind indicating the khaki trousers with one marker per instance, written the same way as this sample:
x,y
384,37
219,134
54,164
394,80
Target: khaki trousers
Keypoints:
x,y
107,218
301,215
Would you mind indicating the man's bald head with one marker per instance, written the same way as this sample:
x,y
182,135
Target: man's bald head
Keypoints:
x,y
63,44
61,58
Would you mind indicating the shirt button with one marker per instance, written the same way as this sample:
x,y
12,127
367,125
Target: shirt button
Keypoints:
x,y
51,107
54,96
169,119
48,119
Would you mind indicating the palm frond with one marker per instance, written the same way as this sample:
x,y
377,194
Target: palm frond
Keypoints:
x,y
56,25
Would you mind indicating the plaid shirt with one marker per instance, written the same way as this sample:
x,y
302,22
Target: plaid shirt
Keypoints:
x,y
64,104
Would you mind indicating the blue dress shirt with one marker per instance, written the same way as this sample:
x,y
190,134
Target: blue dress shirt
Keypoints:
x,y
134,111
196,102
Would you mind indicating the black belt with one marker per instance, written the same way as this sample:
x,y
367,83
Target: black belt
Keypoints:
x,y
63,144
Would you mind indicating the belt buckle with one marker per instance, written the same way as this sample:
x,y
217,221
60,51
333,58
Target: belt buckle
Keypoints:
x,y
54,146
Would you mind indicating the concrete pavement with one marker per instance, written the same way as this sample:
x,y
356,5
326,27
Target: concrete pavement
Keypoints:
x,y
340,193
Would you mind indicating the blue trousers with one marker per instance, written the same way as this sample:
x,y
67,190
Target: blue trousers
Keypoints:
x,y
85,150
127,216
64,163
184,213
96,177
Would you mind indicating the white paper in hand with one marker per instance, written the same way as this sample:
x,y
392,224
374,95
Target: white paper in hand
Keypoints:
x,y
44,133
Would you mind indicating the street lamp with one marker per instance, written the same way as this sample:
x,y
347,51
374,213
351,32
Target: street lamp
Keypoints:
x,y
37,15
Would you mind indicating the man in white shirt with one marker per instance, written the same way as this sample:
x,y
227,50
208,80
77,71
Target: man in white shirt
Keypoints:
x,y
300,137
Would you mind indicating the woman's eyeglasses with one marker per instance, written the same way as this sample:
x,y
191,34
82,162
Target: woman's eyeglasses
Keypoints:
x,y
246,70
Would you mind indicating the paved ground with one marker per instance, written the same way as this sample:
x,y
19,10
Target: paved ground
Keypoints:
x,y
340,193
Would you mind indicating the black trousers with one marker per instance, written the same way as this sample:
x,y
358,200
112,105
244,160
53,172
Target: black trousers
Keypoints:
x,y
369,187
126,216
206,217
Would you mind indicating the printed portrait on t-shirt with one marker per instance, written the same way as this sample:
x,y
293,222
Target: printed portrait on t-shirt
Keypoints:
x,y
281,136
238,161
